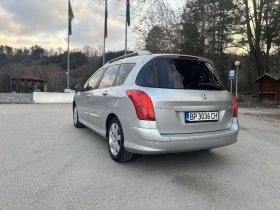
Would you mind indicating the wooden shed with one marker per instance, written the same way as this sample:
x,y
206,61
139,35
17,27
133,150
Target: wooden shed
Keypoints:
x,y
269,88
26,84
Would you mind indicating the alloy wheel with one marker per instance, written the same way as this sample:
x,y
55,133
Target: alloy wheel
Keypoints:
x,y
114,139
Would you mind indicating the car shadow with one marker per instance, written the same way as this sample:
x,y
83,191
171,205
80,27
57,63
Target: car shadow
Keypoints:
x,y
186,160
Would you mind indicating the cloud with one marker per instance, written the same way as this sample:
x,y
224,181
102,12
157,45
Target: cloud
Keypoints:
x,y
30,22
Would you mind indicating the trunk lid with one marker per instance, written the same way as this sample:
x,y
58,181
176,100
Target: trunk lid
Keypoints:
x,y
171,105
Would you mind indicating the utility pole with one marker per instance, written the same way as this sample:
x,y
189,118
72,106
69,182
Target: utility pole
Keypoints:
x,y
237,64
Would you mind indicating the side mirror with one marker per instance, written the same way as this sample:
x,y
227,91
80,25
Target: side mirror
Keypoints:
x,y
79,88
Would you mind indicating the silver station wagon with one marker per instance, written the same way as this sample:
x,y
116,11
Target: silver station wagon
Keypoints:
x,y
148,103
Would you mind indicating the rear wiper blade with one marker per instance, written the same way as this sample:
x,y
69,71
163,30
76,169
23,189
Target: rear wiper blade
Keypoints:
x,y
210,86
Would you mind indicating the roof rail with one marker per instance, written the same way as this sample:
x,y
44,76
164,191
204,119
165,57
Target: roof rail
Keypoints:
x,y
130,55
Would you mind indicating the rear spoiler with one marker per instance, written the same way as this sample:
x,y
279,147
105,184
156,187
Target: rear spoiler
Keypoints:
x,y
188,57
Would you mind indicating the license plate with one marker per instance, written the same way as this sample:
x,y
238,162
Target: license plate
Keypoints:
x,y
201,116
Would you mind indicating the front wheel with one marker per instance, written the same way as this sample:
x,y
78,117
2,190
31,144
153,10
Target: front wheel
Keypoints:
x,y
116,142
76,121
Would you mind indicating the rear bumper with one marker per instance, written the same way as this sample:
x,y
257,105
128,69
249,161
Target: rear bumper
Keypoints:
x,y
149,141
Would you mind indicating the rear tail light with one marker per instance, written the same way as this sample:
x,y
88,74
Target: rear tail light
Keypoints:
x,y
235,107
143,105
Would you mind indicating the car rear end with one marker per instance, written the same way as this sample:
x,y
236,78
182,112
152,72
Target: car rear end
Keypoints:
x,y
181,105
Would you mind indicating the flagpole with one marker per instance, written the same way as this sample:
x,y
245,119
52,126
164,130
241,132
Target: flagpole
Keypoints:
x,y
68,56
125,48
125,37
104,36
105,30
127,23
104,52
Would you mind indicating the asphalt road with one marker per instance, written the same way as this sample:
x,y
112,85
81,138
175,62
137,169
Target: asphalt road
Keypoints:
x,y
46,163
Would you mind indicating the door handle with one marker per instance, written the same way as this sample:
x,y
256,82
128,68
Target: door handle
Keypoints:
x,y
88,96
105,93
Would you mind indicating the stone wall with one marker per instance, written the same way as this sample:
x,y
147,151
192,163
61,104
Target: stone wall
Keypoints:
x,y
20,98
53,98
36,97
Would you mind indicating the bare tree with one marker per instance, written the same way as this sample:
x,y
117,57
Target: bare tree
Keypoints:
x,y
259,26
46,53
94,52
100,50
159,19
51,52
54,76
86,50
60,50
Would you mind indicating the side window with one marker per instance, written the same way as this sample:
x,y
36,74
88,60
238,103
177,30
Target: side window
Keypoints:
x,y
92,82
125,69
109,76
146,77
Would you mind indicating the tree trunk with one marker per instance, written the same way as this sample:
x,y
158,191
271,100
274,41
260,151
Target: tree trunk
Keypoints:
x,y
255,50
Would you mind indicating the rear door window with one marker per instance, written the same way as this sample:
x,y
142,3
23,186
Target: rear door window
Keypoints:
x,y
109,76
172,73
92,82
125,69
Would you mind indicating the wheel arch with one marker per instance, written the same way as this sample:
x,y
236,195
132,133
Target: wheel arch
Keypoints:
x,y
108,120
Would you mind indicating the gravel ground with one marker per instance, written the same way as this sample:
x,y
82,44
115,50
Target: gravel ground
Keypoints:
x,y
46,163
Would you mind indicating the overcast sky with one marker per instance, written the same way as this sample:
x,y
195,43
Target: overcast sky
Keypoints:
x,y
24,23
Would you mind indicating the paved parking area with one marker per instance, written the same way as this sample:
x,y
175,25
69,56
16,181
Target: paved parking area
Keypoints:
x,y
46,163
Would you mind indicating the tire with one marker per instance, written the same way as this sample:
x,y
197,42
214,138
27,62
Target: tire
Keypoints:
x,y
76,121
116,142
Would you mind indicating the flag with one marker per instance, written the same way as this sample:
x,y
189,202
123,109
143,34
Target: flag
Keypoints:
x,y
70,18
127,12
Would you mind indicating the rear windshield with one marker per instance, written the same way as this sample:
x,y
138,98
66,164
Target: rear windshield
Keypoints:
x,y
172,73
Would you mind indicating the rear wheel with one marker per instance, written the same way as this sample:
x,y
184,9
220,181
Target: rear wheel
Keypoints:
x,y
116,142
76,121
